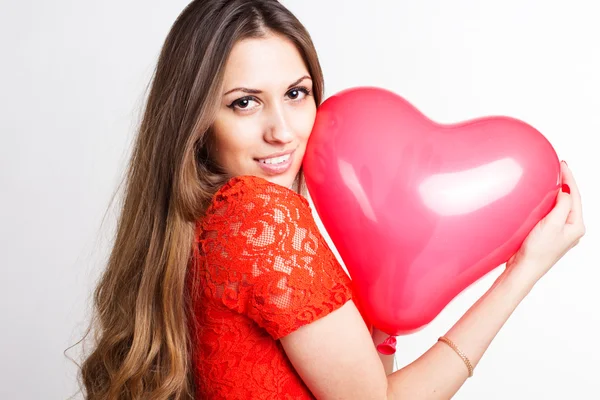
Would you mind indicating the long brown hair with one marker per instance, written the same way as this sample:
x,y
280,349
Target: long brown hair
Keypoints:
x,y
142,308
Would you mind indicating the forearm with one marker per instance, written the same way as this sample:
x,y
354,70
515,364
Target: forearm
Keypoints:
x,y
386,360
440,372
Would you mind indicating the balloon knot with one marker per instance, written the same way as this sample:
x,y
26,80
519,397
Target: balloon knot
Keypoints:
x,y
388,346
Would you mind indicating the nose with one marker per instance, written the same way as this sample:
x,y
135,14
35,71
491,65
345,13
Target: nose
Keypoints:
x,y
278,129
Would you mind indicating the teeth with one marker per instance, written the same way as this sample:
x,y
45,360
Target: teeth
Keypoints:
x,y
275,160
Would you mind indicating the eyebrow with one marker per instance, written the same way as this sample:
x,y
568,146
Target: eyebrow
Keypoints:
x,y
256,91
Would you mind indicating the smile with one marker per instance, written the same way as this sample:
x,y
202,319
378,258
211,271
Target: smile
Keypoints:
x,y
275,160
277,164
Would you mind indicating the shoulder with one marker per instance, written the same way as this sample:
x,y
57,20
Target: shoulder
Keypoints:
x,y
247,187
249,198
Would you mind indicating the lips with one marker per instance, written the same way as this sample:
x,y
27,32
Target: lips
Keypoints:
x,y
275,155
277,163
274,160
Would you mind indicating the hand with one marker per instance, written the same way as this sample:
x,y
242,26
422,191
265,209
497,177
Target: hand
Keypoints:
x,y
553,236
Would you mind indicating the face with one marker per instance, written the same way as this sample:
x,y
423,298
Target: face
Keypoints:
x,y
267,111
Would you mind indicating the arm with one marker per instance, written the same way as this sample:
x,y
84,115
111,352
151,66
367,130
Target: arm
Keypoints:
x,y
346,366
439,373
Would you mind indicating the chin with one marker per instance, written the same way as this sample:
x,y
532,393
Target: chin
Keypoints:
x,y
287,179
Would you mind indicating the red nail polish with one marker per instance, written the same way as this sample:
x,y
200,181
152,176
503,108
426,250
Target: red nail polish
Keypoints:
x,y
566,188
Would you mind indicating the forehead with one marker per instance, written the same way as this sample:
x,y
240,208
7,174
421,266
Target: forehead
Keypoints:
x,y
260,63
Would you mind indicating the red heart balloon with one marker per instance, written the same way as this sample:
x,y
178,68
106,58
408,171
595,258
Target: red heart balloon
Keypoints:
x,y
419,210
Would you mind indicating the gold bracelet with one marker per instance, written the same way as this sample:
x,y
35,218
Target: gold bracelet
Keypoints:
x,y
459,352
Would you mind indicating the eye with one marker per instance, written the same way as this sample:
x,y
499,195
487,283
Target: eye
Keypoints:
x,y
243,103
298,93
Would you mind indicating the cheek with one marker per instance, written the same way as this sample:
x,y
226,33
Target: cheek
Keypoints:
x,y
304,121
232,137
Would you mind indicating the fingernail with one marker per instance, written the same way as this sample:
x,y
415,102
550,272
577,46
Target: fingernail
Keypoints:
x,y
566,188
565,163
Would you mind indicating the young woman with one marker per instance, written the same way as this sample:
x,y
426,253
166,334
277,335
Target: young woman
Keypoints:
x,y
219,284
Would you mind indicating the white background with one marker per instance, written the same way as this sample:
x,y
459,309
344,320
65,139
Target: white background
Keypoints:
x,y
72,81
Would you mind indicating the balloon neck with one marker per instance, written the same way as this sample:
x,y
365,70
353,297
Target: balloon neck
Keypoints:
x,y
388,346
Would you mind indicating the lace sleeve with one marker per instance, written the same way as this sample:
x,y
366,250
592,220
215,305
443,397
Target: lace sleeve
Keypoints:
x,y
265,257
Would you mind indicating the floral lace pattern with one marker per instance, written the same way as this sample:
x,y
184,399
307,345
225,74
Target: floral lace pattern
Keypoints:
x,y
261,270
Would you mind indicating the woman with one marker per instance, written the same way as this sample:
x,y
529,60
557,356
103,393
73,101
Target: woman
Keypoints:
x,y
219,284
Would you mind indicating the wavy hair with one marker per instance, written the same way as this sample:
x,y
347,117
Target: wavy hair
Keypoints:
x,y
141,346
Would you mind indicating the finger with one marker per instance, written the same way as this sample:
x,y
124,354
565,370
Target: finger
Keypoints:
x,y
575,243
575,215
559,214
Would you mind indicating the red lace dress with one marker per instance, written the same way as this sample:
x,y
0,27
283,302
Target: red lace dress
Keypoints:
x,y
260,270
